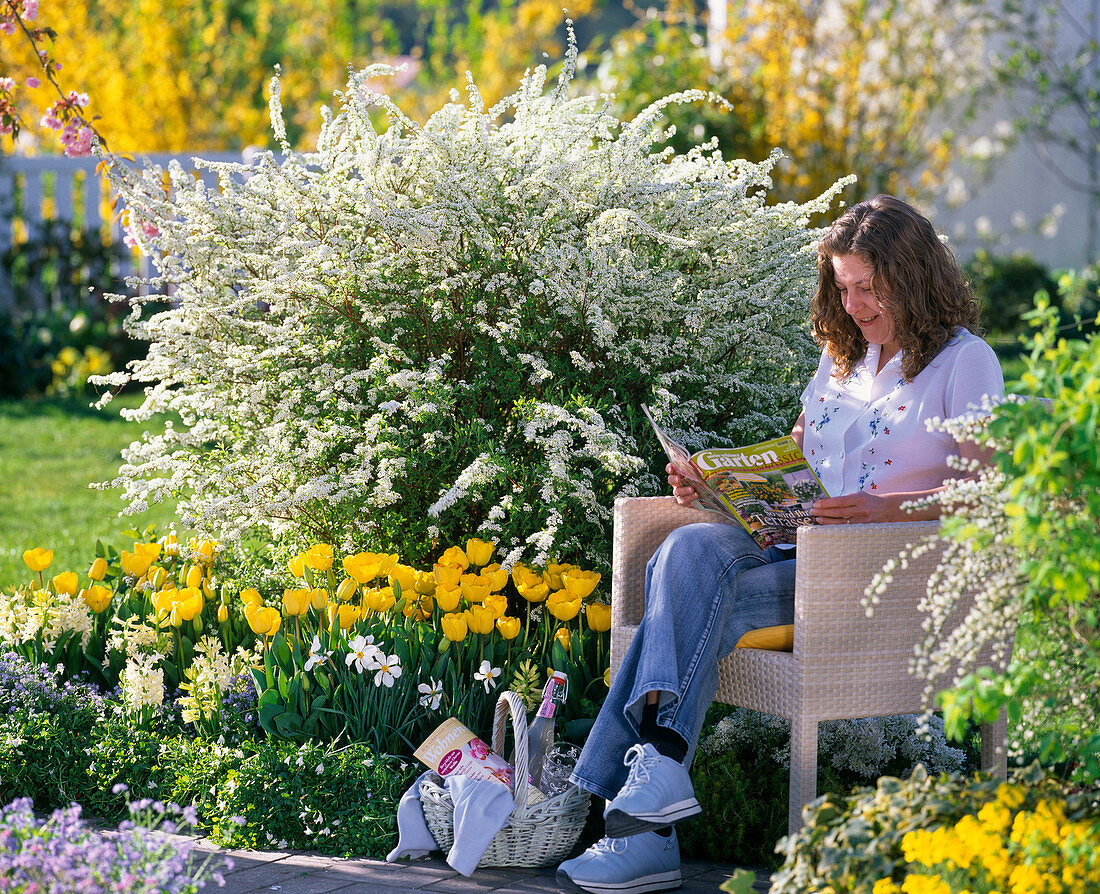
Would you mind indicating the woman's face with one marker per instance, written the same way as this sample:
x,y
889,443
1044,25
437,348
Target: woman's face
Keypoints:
x,y
852,275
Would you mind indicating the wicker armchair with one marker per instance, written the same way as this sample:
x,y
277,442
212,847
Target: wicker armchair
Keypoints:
x,y
844,664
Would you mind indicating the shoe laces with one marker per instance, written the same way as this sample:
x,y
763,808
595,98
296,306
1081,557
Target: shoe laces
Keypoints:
x,y
639,761
608,846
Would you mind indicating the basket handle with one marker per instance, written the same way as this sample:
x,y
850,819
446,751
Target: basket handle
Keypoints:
x,y
511,703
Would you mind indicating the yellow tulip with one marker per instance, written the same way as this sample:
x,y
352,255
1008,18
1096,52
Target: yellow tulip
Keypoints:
x,y
163,600
479,619
264,621
134,564
207,590
479,552
535,593
552,574
193,577
297,565
223,614
447,575
158,576
580,584
251,597
318,598
564,637
447,598
599,616
496,576
418,607
363,567
190,603
204,551
497,604
152,550
425,583
403,576
454,555
295,602
561,606
347,613
607,678
171,545
454,627
381,600
319,557
66,582
522,576
388,561
38,559
97,598
508,626
474,589
347,589
98,571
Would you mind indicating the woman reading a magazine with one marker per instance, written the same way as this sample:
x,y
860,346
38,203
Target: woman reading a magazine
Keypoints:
x,y
896,322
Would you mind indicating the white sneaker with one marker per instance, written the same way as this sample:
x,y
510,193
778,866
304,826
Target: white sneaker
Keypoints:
x,y
657,793
637,865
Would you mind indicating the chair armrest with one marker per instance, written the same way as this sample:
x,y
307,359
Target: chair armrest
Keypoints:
x,y
835,565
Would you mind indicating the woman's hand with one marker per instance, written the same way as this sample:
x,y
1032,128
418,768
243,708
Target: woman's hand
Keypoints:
x,y
852,509
684,493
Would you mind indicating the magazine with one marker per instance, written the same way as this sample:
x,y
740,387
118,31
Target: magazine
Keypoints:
x,y
767,487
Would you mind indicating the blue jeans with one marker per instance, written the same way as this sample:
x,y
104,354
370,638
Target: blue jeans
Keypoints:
x,y
706,586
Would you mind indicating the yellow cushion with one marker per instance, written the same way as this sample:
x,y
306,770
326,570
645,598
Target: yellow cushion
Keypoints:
x,y
777,639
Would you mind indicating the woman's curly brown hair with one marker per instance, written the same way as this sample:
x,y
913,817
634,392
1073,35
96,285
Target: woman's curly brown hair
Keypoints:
x,y
914,277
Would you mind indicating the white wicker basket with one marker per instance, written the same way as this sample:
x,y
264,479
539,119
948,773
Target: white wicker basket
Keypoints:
x,y
537,834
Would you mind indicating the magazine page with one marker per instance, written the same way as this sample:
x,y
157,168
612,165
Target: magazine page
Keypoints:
x,y
681,459
768,486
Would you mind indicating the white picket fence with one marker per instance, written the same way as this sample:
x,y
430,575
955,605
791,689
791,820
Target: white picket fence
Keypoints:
x,y
67,189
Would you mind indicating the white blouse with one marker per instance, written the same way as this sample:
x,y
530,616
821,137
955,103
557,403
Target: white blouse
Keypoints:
x,y
867,432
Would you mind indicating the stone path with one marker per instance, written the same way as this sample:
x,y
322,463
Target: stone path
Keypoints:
x,y
297,872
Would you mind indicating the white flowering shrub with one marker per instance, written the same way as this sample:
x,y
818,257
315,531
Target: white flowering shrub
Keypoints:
x,y
434,330
1023,539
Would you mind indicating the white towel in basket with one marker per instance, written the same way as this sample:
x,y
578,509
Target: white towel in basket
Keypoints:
x,y
482,808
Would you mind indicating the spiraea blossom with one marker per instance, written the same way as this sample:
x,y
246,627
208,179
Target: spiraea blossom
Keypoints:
x,y
446,328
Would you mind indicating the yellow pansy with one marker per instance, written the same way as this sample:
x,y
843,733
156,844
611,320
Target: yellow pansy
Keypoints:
x,y
297,565
319,557
561,606
580,584
508,626
425,583
98,571
318,598
496,576
135,564
479,619
97,598
403,576
447,597
295,602
454,555
447,575
454,627
66,582
474,589
347,589
38,559
479,552
364,567
564,636
598,615
152,550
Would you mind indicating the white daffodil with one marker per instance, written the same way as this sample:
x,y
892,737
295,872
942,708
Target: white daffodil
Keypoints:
x,y
487,674
431,694
362,652
387,668
316,654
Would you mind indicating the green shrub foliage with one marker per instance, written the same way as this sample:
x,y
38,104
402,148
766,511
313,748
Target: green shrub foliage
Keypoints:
x,y
446,328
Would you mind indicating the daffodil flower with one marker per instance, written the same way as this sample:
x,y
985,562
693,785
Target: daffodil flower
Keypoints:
x,y
487,674
431,694
387,668
362,654
316,654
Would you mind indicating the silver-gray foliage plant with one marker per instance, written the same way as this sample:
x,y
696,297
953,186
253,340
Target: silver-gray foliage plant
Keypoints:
x,y
416,334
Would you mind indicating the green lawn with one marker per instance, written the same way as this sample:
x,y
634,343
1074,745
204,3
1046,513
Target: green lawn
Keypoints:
x,y
49,453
